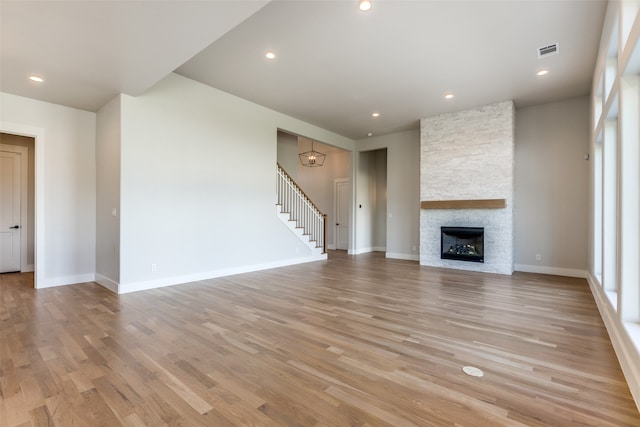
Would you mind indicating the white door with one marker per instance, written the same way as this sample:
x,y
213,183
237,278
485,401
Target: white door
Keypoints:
x,y
10,186
341,194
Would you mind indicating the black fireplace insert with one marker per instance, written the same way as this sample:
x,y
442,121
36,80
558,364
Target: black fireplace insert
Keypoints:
x,y
462,243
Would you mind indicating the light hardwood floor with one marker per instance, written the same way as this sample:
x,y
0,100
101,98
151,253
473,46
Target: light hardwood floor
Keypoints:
x,y
353,341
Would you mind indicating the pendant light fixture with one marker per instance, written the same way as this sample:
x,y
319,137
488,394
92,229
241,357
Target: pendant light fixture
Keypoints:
x,y
313,158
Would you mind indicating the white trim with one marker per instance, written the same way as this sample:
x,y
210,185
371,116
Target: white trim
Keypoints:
x,y
397,255
177,280
39,208
331,247
337,181
556,271
29,268
107,283
368,250
67,280
624,338
24,206
361,251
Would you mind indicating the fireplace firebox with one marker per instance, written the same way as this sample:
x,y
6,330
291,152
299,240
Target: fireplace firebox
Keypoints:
x,y
462,243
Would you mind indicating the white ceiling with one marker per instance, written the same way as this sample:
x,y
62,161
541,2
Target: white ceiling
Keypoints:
x,y
335,66
89,51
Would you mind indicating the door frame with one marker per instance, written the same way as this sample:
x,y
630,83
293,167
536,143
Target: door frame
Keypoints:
x,y
39,142
335,211
24,198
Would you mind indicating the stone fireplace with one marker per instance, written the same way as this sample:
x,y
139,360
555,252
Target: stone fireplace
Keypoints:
x,y
466,180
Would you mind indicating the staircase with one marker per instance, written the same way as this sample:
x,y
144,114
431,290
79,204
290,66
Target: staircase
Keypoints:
x,y
298,212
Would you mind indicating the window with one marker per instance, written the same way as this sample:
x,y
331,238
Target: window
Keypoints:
x,y
629,245
610,210
597,210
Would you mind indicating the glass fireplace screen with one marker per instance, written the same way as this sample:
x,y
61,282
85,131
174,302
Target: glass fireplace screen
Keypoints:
x,y
462,243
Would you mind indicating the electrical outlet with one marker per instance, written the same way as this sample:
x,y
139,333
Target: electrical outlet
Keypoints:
x,y
154,267
538,257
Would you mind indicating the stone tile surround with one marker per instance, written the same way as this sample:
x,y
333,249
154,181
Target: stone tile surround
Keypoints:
x,y
469,155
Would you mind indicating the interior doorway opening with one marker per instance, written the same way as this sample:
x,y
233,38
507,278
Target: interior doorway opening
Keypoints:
x,y
318,183
18,203
371,203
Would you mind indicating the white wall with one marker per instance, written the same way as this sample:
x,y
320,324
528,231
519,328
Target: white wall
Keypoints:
x,y
403,191
552,187
108,195
198,185
288,153
65,186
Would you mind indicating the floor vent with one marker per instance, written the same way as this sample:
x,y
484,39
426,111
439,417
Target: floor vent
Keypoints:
x,y
472,371
549,50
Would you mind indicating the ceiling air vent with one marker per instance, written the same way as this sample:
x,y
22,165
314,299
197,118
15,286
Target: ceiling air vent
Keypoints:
x,y
549,50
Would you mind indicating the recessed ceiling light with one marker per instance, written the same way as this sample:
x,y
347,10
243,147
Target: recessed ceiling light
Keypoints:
x,y
36,79
375,115
448,96
542,72
369,134
270,55
364,5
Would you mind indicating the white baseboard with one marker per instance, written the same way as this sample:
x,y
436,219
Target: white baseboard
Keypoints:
x,y
360,251
627,347
29,268
331,247
66,280
107,283
367,250
556,271
124,288
409,257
